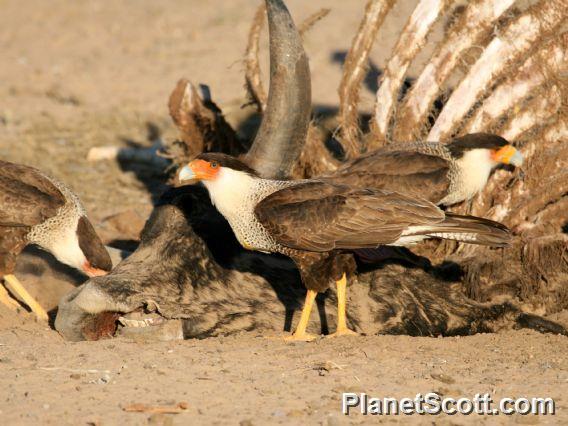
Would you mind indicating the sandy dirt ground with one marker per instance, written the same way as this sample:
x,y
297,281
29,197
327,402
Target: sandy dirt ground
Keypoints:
x,y
78,74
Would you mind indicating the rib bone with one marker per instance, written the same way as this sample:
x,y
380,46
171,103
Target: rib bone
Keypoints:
x,y
253,81
410,42
551,59
476,22
536,113
499,56
354,71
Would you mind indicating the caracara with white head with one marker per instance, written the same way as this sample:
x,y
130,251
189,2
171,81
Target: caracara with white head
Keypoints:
x,y
317,223
443,174
38,209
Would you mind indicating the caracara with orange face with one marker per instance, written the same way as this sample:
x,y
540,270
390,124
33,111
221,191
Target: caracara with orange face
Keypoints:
x,y
443,174
38,209
319,222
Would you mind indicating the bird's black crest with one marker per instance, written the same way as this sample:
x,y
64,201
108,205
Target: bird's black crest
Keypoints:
x,y
459,146
225,160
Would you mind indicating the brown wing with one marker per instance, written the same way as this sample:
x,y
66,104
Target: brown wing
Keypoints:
x,y
320,216
26,196
411,173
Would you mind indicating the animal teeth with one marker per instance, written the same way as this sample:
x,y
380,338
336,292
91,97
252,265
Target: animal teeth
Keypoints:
x,y
146,322
131,323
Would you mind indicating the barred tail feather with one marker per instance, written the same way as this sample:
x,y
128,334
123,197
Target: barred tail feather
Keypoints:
x,y
467,229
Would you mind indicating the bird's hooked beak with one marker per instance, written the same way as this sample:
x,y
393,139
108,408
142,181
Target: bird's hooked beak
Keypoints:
x,y
91,271
508,155
197,170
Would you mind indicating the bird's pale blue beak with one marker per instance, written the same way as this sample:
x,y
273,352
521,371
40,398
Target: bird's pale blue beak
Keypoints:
x,y
186,174
516,159
198,170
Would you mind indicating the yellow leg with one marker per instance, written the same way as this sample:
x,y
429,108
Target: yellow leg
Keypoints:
x,y
300,333
18,289
8,300
342,329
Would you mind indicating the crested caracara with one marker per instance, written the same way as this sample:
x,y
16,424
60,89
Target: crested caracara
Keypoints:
x,y
318,222
37,209
443,174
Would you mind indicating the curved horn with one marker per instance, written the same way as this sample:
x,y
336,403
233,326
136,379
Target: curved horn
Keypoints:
x,y
284,127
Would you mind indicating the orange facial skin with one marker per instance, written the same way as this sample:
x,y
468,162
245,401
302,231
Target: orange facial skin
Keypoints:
x,y
504,154
204,170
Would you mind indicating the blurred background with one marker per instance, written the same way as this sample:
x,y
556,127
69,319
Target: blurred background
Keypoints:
x,y
82,57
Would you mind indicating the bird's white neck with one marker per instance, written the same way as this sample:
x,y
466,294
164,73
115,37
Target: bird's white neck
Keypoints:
x,y
235,193
64,245
232,191
476,165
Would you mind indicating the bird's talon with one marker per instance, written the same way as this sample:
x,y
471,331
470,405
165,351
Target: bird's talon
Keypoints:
x,y
14,285
8,300
343,332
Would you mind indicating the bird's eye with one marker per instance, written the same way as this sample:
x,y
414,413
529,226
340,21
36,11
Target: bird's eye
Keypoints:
x,y
214,164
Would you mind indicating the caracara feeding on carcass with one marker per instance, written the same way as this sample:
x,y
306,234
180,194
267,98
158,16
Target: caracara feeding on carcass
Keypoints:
x,y
317,222
37,209
443,174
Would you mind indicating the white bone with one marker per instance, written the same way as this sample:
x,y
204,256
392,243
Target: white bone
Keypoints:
x,y
410,42
536,113
505,49
508,95
478,19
